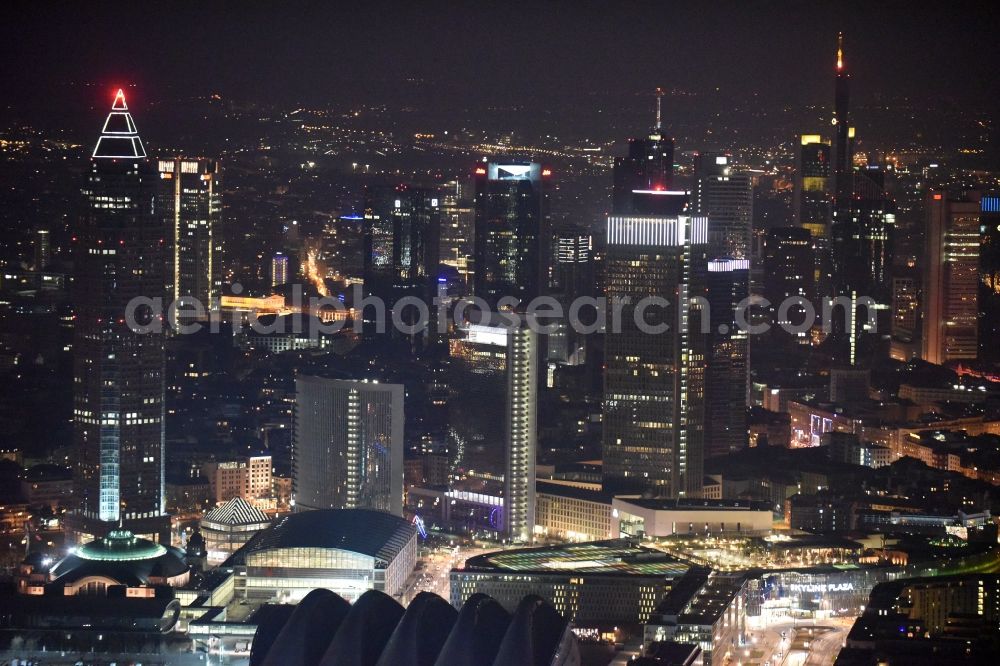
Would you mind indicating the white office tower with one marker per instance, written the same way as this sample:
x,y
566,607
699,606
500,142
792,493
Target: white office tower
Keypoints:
x,y
495,380
347,445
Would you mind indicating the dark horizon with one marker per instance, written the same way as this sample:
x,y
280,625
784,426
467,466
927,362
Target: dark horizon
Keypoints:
x,y
447,55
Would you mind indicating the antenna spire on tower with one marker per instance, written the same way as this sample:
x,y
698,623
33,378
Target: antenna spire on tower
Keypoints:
x,y
840,51
659,117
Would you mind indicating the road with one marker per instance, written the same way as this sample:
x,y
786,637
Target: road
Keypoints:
x,y
805,643
433,572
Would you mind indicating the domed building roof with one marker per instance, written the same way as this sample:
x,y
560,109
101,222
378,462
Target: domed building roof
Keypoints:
x,y
123,557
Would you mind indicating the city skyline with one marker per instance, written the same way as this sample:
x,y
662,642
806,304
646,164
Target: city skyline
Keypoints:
x,y
549,334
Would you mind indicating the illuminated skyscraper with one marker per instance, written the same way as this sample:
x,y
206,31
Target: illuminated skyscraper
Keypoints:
x,y
573,273
812,205
905,308
43,249
726,366
951,278
654,382
725,196
493,420
191,191
863,214
874,219
812,194
512,230
347,445
279,269
118,372
989,280
401,246
457,226
843,139
649,165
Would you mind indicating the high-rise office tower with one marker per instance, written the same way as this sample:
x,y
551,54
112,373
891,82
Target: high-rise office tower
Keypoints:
x,y
812,205
512,230
457,226
279,269
725,196
416,225
905,306
118,371
191,192
654,378
401,246
788,264
812,194
493,419
989,280
649,165
843,140
347,445
573,273
951,278
874,219
726,366
43,249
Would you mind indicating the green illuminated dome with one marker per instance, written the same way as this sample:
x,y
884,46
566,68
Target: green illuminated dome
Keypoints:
x,y
124,558
120,546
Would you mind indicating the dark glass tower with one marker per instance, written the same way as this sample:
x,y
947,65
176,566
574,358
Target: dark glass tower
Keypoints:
x,y
726,376
789,269
513,237
725,196
989,280
118,374
654,382
843,138
401,246
649,165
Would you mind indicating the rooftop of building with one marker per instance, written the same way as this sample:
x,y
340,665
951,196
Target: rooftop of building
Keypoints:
x,y
236,511
554,487
621,557
694,504
326,629
700,596
123,557
373,533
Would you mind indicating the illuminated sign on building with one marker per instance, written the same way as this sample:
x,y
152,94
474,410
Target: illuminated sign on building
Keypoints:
x,y
822,588
531,171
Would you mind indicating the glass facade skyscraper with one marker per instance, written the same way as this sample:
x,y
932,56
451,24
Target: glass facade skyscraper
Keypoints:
x,y
654,381
191,203
347,445
118,370
951,279
649,165
725,196
493,411
512,230
726,367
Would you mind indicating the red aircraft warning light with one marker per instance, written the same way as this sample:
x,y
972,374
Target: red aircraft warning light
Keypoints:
x,y
119,103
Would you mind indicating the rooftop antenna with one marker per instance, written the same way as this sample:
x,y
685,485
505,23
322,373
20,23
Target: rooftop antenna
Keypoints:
x,y
659,100
840,51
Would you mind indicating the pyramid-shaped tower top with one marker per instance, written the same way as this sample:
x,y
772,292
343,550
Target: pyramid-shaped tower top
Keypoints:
x,y
119,103
119,138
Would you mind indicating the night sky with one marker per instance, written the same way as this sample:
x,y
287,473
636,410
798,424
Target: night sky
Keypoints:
x,y
534,55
